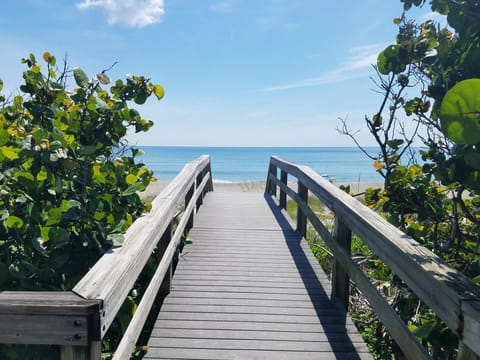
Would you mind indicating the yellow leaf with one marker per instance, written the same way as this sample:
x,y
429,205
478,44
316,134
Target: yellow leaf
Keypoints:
x,y
158,91
131,179
96,170
148,207
425,32
46,56
378,165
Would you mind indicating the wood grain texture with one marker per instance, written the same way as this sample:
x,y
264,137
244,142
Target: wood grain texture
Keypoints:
x,y
61,318
248,287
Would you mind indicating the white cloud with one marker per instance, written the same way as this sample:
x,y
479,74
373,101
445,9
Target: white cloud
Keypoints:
x,y
134,13
224,6
359,58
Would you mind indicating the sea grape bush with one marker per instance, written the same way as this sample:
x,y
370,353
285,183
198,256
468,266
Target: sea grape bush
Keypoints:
x,y
68,179
430,76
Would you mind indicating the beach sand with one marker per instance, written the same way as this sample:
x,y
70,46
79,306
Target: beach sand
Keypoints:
x,y
249,186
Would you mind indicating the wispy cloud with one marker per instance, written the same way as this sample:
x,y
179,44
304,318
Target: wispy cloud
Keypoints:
x,y
133,13
224,6
359,58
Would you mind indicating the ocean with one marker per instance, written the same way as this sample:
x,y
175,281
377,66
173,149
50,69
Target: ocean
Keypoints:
x,y
231,164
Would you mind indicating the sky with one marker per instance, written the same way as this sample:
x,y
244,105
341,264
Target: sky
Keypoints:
x,y
235,72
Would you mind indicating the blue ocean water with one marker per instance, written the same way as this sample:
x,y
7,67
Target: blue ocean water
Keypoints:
x,y
346,164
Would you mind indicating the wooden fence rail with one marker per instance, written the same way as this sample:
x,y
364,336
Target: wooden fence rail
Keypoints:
x,y
77,320
446,291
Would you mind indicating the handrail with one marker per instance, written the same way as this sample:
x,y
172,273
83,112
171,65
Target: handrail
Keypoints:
x,y
445,290
79,319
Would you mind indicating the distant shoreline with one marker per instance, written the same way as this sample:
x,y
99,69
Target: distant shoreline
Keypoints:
x,y
250,186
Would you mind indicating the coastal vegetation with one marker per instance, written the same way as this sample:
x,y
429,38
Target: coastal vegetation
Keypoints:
x,y
68,178
429,78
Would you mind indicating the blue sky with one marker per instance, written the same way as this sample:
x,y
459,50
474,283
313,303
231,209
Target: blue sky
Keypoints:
x,y
236,72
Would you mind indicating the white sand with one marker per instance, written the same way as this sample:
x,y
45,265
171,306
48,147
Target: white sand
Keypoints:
x,y
250,186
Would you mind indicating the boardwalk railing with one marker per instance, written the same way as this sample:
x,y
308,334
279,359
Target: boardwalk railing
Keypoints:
x,y
446,291
77,320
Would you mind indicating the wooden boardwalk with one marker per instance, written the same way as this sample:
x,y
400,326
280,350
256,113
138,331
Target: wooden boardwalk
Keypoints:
x,y
248,287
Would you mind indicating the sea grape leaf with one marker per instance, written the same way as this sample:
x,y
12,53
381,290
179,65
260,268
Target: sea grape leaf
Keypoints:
x,y
131,179
10,152
80,77
391,60
3,137
460,112
158,91
14,222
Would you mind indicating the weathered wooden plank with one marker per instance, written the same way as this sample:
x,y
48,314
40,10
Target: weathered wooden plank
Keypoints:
x,y
61,318
328,329
47,329
166,333
61,303
252,290
214,354
252,344
244,295
250,309
333,318
218,301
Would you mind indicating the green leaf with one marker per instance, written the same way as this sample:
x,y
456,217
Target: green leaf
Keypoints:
x,y
392,59
16,272
87,150
59,236
3,137
140,97
14,222
132,189
26,179
38,245
42,174
116,239
10,152
460,112
1,84
54,216
472,158
80,77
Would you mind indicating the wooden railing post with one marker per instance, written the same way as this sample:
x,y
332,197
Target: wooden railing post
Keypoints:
x,y
161,248
91,352
188,197
301,217
271,187
340,278
283,195
198,182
